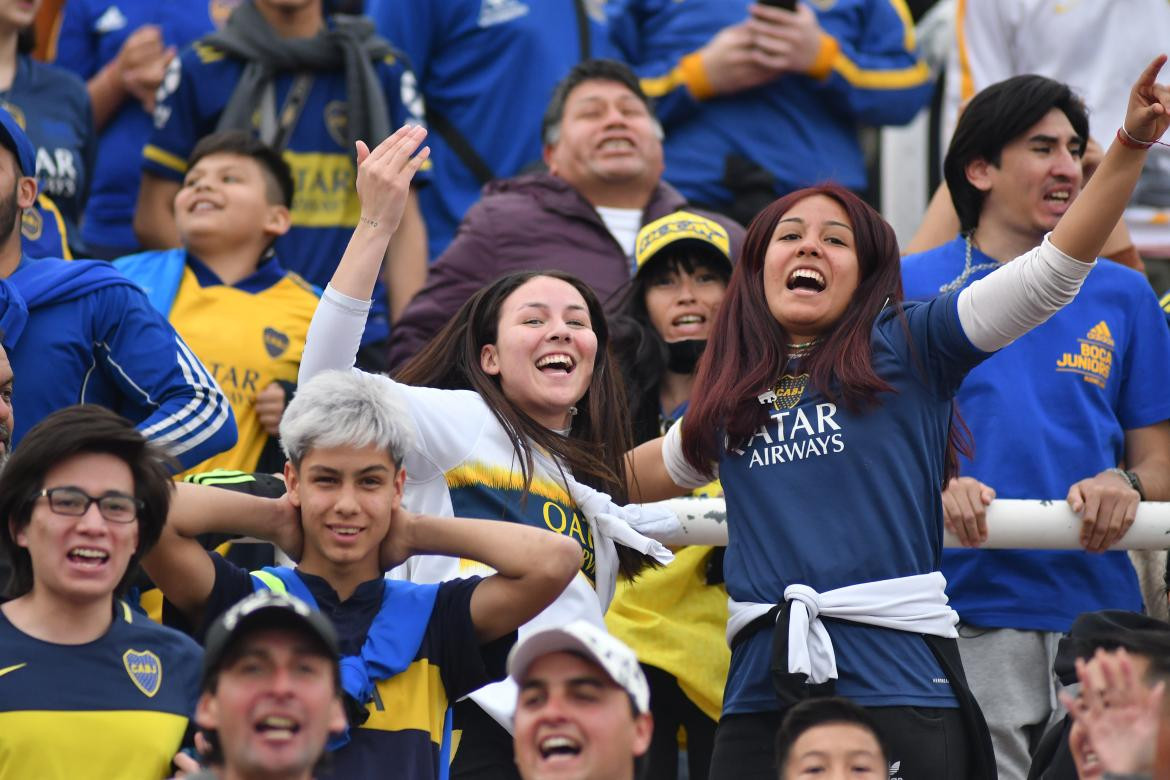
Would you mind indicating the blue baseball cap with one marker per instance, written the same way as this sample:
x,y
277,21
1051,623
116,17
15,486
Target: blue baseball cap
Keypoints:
x,y
12,136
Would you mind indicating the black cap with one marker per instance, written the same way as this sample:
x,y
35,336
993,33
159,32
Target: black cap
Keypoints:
x,y
1109,629
262,610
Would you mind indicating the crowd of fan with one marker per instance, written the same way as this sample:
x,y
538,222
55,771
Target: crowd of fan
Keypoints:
x,y
211,214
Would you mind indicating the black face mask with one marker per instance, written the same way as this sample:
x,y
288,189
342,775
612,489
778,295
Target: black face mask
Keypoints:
x,y
684,355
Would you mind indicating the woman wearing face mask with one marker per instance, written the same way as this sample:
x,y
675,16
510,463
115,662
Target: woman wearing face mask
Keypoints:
x,y
518,416
674,617
824,405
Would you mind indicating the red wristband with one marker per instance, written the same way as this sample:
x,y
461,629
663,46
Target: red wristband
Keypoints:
x,y
1129,142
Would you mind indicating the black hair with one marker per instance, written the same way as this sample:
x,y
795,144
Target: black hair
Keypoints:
x,y
811,713
588,70
277,175
64,434
994,118
640,351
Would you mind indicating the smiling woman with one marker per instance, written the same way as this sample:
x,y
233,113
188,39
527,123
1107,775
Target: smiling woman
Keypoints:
x,y
824,405
518,416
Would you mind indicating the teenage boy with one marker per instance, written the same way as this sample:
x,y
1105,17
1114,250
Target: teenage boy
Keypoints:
x,y
411,650
225,291
88,687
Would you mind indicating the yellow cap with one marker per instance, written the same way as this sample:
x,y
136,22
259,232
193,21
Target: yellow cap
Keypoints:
x,y
680,226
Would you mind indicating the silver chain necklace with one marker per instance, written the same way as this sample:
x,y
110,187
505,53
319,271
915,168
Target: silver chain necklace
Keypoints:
x,y
968,269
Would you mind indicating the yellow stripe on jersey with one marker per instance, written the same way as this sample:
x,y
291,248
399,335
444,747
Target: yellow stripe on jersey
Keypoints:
x,y
325,193
966,80
49,207
164,158
908,40
880,79
208,54
499,478
1165,302
414,699
67,743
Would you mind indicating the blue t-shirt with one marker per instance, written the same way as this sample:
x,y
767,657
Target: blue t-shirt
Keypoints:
x,y
829,497
467,55
325,207
91,34
1047,411
52,106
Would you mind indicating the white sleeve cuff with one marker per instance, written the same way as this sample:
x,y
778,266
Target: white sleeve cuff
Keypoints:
x,y
681,472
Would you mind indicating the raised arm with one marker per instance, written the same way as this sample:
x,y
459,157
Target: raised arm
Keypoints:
x,y
532,565
1018,296
180,566
383,186
1086,225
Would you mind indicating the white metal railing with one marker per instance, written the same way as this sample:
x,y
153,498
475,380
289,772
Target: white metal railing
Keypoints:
x,y
1011,523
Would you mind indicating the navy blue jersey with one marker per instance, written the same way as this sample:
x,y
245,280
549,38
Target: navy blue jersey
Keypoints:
x,y
90,36
405,727
828,497
52,106
325,206
114,707
1049,410
467,55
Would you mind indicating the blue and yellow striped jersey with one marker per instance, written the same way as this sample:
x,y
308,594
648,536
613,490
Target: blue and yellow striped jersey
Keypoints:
x,y
115,707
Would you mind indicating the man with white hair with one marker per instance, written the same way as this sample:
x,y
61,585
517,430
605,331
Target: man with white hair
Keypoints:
x,y
408,650
584,705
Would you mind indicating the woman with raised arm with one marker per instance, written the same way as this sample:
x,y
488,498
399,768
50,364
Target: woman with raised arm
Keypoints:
x,y
518,416
823,403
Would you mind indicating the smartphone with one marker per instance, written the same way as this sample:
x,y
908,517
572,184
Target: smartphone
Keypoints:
x,y
787,5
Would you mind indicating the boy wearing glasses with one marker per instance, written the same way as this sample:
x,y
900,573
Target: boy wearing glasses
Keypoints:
x,y
87,688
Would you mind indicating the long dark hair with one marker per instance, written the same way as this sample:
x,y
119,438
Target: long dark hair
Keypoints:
x,y
595,447
638,347
748,347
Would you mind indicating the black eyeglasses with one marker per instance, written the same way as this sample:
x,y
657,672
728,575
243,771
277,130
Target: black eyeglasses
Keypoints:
x,y
115,507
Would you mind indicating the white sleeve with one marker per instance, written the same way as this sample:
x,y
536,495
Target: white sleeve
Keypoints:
x,y
681,472
334,334
1016,297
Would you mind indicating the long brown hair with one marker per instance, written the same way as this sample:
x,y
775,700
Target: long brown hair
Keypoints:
x,y
594,450
747,347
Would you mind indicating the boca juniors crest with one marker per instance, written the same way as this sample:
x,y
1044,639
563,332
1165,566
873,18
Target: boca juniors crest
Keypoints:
x,y
145,670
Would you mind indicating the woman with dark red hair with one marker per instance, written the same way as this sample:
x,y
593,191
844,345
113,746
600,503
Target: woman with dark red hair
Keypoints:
x,y
824,405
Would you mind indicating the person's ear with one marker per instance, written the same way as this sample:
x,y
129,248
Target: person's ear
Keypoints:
x,y
978,173
643,732
207,712
18,535
338,723
26,192
277,221
293,482
399,486
489,360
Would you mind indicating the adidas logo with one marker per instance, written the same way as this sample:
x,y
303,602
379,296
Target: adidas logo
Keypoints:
x,y
1100,334
895,768
113,19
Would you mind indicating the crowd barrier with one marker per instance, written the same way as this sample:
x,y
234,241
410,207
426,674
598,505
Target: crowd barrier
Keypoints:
x,y
1011,523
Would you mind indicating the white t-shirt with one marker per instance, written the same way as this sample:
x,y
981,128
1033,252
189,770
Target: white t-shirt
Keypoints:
x,y
624,225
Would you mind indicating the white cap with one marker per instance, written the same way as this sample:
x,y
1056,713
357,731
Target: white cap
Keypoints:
x,y
584,638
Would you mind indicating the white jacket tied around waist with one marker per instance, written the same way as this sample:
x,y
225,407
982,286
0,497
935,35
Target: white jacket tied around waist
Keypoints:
x,y
917,604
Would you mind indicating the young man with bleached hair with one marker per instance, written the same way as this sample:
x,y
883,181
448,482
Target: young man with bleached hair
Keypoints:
x,y
409,650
